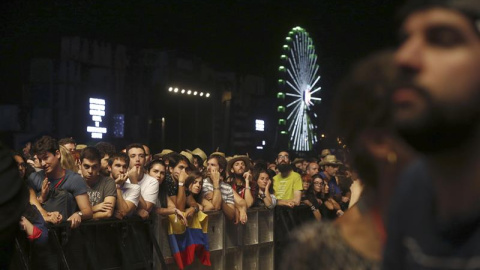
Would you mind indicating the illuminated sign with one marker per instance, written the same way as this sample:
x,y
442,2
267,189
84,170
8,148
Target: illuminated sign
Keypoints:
x,y
259,125
97,111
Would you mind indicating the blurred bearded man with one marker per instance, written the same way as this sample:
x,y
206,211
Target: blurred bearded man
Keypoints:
x,y
434,221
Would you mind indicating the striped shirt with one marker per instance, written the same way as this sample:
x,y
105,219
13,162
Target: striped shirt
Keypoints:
x,y
225,189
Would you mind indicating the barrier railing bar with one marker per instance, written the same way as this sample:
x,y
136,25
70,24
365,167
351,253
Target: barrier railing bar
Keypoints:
x,y
60,250
21,254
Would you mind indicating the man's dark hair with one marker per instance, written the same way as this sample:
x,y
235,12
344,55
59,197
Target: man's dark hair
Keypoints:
x,y
45,144
286,151
175,158
222,164
90,153
135,145
119,155
105,148
469,8
66,141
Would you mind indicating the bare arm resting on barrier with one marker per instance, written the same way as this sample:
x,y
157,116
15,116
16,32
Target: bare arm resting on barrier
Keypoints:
x,y
288,203
104,209
51,217
248,189
126,206
180,199
84,205
165,211
241,206
297,196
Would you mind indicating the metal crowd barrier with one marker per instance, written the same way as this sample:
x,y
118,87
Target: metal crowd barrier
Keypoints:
x,y
143,244
249,246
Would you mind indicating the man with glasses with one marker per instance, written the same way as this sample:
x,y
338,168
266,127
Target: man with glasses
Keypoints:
x,y
287,184
331,165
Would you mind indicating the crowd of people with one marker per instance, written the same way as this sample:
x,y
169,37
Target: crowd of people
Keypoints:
x,y
70,182
73,183
406,195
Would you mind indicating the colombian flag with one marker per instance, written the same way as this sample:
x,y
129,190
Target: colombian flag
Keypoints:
x,y
185,242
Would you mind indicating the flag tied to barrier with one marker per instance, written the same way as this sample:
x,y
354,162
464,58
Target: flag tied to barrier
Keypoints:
x,y
186,241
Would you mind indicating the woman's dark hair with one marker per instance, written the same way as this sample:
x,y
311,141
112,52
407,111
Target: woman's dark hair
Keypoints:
x,y
162,189
190,180
154,162
256,174
28,168
311,189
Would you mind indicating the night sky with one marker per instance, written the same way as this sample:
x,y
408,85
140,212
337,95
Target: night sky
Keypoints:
x,y
240,36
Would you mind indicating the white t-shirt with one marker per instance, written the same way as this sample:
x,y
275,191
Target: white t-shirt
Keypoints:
x,y
131,192
149,188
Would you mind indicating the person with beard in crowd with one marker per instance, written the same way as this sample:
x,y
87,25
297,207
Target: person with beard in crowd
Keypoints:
x,y
363,119
437,111
128,194
106,151
287,184
241,178
330,166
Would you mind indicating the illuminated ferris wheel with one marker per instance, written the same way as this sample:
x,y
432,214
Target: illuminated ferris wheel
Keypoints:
x,y
297,89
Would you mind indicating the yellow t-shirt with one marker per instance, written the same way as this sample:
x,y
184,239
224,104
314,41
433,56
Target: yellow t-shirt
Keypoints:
x,y
284,187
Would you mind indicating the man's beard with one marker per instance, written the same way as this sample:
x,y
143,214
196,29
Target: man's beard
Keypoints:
x,y
284,168
441,128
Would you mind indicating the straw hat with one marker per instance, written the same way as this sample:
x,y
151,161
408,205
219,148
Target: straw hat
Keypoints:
x,y
298,160
188,156
236,158
199,152
325,152
214,153
163,153
80,146
218,153
330,160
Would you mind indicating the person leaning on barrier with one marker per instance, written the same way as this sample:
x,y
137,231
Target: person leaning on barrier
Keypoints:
x,y
264,189
106,151
241,178
53,176
136,175
128,194
177,190
219,193
101,190
287,184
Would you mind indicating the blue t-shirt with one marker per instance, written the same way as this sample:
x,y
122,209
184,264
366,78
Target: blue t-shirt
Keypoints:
x,y
73,182
417,239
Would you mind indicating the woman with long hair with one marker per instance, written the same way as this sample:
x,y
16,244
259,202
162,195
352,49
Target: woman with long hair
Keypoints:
x,y
165,206
264,189
194,184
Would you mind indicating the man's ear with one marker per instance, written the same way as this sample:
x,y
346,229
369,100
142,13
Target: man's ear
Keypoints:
x,y
57,154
